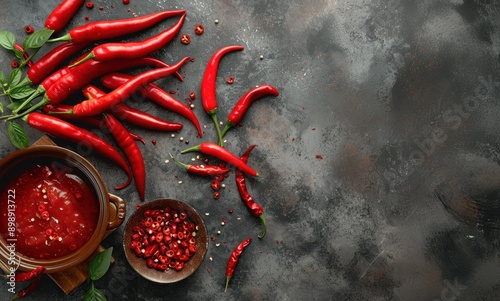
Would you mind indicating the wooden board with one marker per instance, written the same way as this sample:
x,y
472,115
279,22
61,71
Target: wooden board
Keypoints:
x,y
71,278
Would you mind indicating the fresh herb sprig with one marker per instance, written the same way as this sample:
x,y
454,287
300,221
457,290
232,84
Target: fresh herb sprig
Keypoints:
x,y
98,268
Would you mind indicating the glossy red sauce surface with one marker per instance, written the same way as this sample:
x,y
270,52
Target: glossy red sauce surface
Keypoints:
x,y
56,210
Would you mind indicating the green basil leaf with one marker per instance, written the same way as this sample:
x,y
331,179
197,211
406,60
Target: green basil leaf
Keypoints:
x,y
18,53
17,135
100,264
94,294
15,104
37,39
2,78
15,77
7,39
21,92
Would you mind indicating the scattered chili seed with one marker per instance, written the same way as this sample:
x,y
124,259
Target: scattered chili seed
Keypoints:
x,y
153,141
216,195
230,80
87,18
192,95
89,5
29,29
216,21
126,1
215,184
137,206
199,29
230,211
171,91
101,7
14,64
261,57
185,39
319,157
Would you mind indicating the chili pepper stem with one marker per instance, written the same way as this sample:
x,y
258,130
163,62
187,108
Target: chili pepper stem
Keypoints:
x,y
227,127
39,91
191,149
63,38
83,60
227,283
264,226
179,162
217,127
43,102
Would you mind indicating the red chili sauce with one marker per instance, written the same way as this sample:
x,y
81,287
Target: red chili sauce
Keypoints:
x,y
56,210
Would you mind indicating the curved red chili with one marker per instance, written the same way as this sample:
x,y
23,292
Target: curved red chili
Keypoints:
x,y
62,14
99,105
92,121
208,89
157,95
201,169
108,29
133,50
29,289
25,276
255,208
65,130
76,78
132,151
234,258
132,115
213,149
52,60
244,103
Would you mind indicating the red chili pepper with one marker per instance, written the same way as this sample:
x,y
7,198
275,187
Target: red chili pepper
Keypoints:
x,y
199,29
29,289
202,170
99,105
65,130
132,115
50,61
244,103
234,258
133,50
25,54
76,78
157,95
130,148
108,29
61,15
255,208
25,276
218,151
208,95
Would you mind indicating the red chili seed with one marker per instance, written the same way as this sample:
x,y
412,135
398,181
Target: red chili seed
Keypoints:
x,y
89,5
230,211
192,95
101,7
230,80
319,157
216,195
153,141
14,64
199,29
137,206
185,39
87,18
29,29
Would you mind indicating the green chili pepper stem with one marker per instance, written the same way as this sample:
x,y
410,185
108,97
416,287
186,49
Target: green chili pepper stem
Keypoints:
x,y
191,149
64,38
39,91
186,166
264,226
43,102
217,127
227,282
88,57
227,127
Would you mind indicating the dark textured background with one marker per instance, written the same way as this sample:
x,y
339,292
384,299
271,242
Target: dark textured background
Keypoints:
x,y
400,98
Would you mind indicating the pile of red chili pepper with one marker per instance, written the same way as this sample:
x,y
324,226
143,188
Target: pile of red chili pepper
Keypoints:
x,y
55,81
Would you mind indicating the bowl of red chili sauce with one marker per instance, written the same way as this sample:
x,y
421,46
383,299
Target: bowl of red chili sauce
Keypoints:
x,y
54,208
165,240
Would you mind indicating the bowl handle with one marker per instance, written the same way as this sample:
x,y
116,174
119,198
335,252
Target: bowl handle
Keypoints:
x,y
117,209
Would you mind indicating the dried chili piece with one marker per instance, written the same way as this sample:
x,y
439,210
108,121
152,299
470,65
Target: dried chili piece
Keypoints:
x,y
255,208
233,259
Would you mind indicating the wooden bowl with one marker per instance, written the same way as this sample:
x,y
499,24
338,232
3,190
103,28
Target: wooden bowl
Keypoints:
x,y
171,275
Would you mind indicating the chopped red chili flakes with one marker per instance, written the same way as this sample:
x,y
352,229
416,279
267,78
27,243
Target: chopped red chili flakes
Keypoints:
x,y
230,80
89,5
192,95
29,29
185,39
14,64
319,157
199,29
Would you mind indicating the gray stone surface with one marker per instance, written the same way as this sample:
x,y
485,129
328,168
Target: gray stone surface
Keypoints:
x,y
398,98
